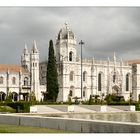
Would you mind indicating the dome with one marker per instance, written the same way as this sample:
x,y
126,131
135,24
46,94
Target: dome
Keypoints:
x,y
65,33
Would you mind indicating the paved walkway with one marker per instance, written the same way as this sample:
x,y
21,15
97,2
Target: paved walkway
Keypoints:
x,y
45,109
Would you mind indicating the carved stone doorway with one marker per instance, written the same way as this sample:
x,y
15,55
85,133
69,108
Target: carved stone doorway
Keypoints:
x,y
115,90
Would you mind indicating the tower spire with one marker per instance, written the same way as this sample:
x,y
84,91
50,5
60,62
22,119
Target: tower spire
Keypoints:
x,y
114,57
25,51
35,50
108,59
25,58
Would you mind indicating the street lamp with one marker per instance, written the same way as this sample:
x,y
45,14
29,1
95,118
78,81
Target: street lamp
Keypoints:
x,y
81,43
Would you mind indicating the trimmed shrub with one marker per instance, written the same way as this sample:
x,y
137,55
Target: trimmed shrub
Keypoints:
x,y
113,98
90,102
20,106
69,101
137,105
7,109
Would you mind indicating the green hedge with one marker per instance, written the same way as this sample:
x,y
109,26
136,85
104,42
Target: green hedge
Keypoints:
x,y
20,107
7,109
137,105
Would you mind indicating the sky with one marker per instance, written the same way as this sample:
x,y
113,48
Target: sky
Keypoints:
x,y
104,30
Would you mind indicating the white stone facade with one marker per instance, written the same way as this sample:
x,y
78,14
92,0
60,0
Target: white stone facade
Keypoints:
x,y
98,77
14,79
113,76
22,80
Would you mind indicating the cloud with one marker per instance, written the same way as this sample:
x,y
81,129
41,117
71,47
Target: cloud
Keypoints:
x,y
103,29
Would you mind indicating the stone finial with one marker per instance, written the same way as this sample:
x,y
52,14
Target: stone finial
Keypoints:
x,y
66,25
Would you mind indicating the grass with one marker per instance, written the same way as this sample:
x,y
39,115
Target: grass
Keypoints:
x,y
4,128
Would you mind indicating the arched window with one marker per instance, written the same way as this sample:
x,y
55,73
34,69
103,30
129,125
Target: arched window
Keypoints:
x,y
33,64
99,82
114,78
84,76
70,94
127,82
1,80
25,66
71,76
26,81
14,80
2,96
14,96
70,56
84,92
71,91
66,36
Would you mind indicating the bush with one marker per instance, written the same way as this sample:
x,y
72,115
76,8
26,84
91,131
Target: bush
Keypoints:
x,y
121,103
20,106
69,101
7,109
9,97
137,105
90,100
113,98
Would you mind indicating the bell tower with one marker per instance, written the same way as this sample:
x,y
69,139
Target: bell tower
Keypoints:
x,y
66,45
35,85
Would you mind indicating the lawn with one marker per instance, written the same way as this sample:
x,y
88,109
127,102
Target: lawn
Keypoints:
x,y
4,128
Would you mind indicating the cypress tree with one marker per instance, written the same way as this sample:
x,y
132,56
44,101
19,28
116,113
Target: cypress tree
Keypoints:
x,y
52,81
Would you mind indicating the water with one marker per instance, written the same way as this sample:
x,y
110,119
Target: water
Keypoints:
x,y
133,117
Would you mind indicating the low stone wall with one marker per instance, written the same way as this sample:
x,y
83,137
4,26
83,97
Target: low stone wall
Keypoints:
x,y
74,125
79,108
124,107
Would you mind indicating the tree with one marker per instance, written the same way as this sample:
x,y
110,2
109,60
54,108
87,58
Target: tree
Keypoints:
x,y
90,102
52,81
9,97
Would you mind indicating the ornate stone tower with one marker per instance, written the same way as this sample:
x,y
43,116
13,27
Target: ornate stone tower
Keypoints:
x,y
35,85
66,55
66,45
25,58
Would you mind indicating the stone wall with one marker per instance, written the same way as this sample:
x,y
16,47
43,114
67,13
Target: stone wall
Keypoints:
x,y
73,125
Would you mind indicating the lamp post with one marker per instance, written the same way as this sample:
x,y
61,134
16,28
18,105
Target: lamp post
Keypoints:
x,y
81,43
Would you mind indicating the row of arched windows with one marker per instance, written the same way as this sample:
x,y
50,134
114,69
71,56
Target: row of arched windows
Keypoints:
x,y
13,80
71,76
3,96
71,92
100,79
26,80
34,64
